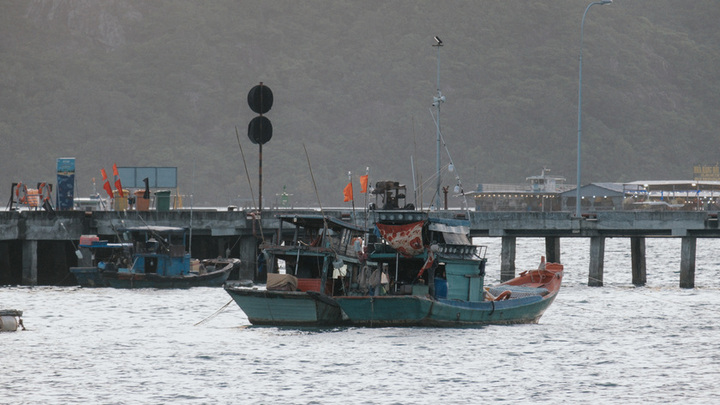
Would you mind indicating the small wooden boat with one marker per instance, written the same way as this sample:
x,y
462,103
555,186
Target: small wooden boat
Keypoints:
x,y
150,257
10,320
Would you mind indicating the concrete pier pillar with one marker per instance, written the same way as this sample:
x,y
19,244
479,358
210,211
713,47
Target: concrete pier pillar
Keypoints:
x,y
687,262
507,258
222,246
29,262
597,258
248,258
5,269
639,269
552,249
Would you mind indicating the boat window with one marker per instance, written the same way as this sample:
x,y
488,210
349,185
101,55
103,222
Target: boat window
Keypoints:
x,y
456,239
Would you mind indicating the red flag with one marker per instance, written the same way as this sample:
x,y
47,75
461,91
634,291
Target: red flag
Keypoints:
x,y
106,186
363,183
118,184
348,192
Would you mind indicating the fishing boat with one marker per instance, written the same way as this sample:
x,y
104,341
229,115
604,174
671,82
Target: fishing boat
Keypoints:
x,y
149,257
211,265
431,275
101,252
10,320
306,266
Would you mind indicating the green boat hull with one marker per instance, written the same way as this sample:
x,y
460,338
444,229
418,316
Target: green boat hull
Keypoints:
x,y
413,310
287,308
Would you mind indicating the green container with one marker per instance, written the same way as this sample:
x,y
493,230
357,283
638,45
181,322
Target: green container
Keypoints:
x,y
162,200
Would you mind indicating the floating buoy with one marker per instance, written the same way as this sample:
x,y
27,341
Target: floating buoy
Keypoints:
x,y
10,320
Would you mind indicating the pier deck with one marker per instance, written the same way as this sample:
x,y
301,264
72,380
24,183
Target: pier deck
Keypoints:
x,y
37,247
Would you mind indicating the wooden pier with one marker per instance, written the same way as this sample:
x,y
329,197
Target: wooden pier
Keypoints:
x,y
38,247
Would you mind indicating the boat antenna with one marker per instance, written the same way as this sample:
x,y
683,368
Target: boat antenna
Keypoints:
x,y
317,195
192,204
412,165
451,168
353,200
437,100
237,135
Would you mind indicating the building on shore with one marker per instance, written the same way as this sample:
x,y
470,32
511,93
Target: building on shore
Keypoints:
x,y
545,193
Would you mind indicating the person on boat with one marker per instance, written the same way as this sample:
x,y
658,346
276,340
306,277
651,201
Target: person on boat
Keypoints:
x,y
379,281
261,267
363,280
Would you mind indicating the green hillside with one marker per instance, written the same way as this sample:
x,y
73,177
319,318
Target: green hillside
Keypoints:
x,y
165,83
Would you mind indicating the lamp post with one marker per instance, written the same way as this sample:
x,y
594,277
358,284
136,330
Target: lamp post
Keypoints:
x,y
582,25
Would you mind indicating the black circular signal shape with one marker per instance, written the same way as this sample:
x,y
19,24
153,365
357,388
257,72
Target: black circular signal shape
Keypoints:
x,y
260,99
260,130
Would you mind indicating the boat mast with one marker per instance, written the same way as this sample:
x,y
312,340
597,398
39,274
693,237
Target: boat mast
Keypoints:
x,y
437,100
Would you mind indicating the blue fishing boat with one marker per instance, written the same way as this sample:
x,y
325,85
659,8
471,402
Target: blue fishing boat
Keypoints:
x,y
102,252
308,263
150,257
431,275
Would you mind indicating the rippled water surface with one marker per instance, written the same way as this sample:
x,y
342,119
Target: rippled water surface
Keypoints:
x,y
611,344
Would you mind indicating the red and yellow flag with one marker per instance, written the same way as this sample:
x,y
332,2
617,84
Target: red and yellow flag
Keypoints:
x,y
118,184
363,183
348,192
106,186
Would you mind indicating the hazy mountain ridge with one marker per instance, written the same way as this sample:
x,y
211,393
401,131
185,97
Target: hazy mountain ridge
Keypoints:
x,y
164,83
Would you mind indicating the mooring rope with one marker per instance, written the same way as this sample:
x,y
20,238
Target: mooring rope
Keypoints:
x,y
215,314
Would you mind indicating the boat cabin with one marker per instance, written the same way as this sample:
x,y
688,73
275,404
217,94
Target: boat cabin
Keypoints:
x,y
390,195
309,244
157,249
432,257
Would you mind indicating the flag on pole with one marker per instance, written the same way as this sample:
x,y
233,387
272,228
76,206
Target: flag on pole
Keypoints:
x,y
348,192
118,184
106,186
363,183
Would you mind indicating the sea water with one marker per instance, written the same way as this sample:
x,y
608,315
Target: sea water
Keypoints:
x,y
612,344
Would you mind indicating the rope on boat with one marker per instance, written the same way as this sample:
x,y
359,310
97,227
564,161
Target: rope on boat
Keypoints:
x,y
215,314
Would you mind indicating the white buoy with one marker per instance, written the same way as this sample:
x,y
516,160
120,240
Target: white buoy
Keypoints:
x,y
10,320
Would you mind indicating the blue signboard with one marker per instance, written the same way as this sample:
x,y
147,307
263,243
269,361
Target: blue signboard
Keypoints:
x,y
65,184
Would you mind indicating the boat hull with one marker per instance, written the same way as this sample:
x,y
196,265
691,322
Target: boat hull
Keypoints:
x,y
411,310
286,308
88,276
141,280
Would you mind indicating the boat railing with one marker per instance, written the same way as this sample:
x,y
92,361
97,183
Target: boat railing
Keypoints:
x,y
468,252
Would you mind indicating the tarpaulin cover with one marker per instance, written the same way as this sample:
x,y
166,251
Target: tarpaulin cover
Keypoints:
x,y
281,282
406,239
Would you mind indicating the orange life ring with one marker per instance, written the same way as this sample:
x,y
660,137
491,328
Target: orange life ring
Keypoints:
x,y
22,199
503,295
45,191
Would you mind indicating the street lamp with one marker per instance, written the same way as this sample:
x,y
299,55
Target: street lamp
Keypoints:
x,y
582,25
